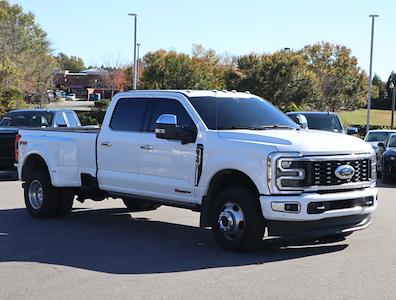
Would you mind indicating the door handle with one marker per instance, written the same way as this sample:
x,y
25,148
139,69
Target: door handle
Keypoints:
x,y
107,144
146,147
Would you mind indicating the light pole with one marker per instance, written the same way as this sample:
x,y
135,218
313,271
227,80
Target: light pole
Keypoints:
x,y
137,65
392,87
370,71
134,53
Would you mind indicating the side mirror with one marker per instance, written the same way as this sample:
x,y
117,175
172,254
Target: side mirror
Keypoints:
x,y
381,145
165,127
352,130
302,121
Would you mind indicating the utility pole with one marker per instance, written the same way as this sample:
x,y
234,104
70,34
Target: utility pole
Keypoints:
x,y
370,71
134,53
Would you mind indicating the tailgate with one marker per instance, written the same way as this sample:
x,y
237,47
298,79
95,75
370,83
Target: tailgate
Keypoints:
x,y
7,150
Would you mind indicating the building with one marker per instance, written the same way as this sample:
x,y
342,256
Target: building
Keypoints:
x,y
83,83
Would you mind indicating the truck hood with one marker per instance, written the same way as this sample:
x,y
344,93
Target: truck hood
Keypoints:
x,y
303,141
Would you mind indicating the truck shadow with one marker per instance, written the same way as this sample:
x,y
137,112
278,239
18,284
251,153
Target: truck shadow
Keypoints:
x,y
111,241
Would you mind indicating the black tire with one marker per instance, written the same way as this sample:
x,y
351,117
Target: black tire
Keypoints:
x,y
65,203
136,205
41,198
243,235
385,177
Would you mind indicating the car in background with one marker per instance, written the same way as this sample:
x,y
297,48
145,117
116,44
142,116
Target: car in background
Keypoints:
x,y
325,121
95,97
386,158
33,118
373,137
60,94
71,97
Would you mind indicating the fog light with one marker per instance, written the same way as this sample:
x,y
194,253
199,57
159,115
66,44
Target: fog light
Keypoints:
x,y
292,207
285,164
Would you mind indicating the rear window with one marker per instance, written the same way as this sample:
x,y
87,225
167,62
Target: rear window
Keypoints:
x,y
27,119
327,122
129,114
377,136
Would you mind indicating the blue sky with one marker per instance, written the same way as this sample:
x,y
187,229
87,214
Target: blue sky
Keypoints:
x,y
100,31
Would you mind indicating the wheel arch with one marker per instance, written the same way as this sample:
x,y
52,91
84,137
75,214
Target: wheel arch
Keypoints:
x,y
219,181
34,162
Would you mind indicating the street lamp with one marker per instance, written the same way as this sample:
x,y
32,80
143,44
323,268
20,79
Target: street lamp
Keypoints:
x,y
370,71
134,53
392,87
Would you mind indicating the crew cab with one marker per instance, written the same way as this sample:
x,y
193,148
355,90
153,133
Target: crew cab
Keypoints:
x,y
34,118
233,157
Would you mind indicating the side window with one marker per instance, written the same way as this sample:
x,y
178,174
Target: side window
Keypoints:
x,y
129,114
169,106
60,120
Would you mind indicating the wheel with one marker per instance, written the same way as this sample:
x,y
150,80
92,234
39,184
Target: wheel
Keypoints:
x,y
236,219
385,177
139,205
41,198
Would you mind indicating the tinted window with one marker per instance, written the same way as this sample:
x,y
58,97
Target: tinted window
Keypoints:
x,y
60,120
72,119
129,114
27,119
236,113
168,106
326,122
392,142
378,136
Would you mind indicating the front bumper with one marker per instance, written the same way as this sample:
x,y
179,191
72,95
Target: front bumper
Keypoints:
x,y
315,224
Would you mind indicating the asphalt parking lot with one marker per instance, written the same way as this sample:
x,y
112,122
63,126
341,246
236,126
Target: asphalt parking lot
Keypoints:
x,y
101,251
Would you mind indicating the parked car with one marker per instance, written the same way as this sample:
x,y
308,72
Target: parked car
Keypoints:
x,y
95,97
326,121
38,118
373,137
60,94
71,97
233,157
386,158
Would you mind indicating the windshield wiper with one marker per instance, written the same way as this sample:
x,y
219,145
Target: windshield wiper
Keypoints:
x,y
276,126
239,127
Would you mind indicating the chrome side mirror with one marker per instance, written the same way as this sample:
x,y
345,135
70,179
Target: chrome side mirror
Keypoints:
x,y
302,121
165,127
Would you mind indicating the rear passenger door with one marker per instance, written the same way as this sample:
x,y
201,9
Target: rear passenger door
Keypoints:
x,y
118,146
167,167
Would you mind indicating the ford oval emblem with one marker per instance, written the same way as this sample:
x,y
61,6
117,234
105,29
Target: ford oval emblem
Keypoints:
x,y
344,172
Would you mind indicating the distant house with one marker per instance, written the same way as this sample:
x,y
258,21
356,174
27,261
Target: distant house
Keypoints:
x,y
83,83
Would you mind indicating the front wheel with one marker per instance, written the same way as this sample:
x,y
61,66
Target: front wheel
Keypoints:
x,y
236,219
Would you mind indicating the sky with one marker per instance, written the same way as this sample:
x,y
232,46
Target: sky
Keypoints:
x,y
101,32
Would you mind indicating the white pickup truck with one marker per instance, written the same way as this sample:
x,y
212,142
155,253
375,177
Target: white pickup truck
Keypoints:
x,y
233,157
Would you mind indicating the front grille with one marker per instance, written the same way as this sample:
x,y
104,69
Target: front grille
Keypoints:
x,y
322,173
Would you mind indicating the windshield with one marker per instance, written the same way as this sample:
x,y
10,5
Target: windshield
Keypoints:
x,y
27,119
392,142
323,121
378,136
240,113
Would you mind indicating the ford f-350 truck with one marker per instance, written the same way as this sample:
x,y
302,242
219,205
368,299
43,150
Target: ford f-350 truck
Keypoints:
x,y
233,157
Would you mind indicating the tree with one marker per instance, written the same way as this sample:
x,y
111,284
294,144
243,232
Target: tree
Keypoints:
x,y
172,70
343,84
72,63
282,78
26,62
114,79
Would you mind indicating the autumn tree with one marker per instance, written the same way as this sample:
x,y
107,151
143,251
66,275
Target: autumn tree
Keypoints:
x,y
72,63
283,78
343,84
171,70
26,62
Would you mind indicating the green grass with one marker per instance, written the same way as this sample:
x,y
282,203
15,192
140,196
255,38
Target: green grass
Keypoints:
x,y
359,117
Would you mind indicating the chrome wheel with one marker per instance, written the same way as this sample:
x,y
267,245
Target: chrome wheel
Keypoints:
x,y
36,194
231,221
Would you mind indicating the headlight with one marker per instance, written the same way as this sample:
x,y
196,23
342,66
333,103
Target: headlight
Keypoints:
x,y
285,173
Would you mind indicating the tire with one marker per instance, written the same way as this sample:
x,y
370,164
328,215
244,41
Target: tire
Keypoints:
x,y
139,205
385,177
236,219
41,198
